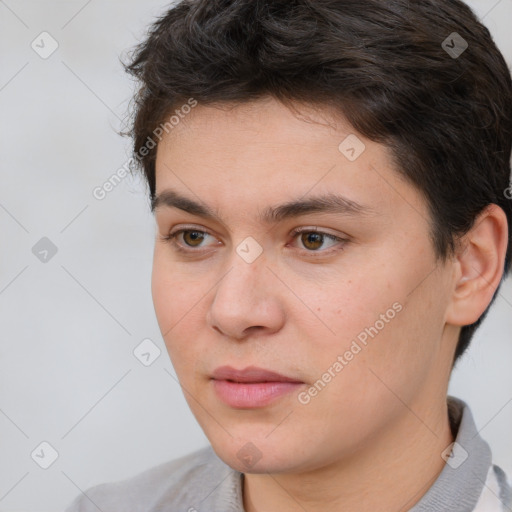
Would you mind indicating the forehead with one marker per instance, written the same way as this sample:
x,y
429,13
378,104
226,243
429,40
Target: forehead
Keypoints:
x,y
261,122
263,152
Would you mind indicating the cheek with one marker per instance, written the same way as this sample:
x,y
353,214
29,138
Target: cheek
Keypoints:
x,y
346,303
173,292
389,356
372,321
178,306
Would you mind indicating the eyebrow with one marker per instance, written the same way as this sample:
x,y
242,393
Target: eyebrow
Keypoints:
x,y
326,203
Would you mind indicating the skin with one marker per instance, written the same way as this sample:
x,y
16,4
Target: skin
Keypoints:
x,y
372,438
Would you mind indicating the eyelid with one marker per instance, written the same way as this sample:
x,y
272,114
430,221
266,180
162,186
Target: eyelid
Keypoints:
x,y
313,229
188,228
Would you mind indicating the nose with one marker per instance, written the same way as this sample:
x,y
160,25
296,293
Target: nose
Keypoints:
x,y
247,301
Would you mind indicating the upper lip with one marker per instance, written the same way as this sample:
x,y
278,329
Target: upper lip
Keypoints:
x,y
249,374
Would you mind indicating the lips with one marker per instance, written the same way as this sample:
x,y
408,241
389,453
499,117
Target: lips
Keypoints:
x,y
251,387
250,374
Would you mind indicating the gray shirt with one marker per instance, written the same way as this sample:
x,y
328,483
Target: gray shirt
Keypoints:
x,y
202,482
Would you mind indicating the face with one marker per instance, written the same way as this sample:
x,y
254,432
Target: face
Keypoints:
x,y
285,246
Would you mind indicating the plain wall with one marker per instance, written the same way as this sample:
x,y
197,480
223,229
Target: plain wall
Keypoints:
x,y
69,326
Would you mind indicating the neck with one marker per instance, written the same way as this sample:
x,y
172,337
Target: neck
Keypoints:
x,y
392,472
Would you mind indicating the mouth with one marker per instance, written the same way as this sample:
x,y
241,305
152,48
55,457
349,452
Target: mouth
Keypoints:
x,y
251,387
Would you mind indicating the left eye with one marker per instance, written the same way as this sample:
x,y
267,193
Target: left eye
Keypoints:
x,y
313,240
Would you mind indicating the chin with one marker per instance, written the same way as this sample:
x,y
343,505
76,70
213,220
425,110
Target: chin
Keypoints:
x,y
256,456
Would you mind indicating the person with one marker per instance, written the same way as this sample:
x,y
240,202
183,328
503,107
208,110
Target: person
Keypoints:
x,y
329,181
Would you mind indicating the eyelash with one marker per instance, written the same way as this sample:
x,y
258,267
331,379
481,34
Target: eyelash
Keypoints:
x,y
171,238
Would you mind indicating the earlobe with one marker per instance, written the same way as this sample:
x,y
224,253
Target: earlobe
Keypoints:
x,y
479,266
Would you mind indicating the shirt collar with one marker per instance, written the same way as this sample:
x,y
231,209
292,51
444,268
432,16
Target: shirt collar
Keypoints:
x,y
460,483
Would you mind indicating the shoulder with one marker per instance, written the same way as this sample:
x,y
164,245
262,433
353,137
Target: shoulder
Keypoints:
x,y
174,482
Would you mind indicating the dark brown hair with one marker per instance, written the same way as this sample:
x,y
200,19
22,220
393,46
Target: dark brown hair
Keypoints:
x,y
386,65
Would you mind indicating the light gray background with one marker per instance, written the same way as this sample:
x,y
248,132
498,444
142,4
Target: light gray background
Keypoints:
x,y
68,375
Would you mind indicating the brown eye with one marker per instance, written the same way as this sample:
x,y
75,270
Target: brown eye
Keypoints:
x,y
315,242
193,238
312,241
190,241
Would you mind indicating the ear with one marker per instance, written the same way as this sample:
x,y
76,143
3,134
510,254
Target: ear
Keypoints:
x,y
478,266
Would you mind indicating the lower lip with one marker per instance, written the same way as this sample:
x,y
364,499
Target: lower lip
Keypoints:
x,y
250,395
